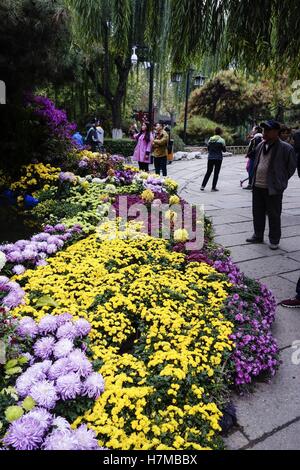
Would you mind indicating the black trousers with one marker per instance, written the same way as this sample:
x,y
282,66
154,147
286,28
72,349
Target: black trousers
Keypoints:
x,y
160,164
144,166
265,205
211,165
298,289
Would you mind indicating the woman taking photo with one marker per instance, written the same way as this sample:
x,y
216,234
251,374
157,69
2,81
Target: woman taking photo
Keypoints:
x,y
142,153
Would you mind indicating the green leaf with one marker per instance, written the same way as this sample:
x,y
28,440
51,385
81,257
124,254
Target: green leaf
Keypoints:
x,y
46,300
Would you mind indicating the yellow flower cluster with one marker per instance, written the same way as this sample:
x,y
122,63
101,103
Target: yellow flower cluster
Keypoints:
x,y
36,176
119,229
171,185
148,195
157,330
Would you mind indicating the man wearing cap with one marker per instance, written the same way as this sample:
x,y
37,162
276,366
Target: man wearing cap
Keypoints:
x,y
275,163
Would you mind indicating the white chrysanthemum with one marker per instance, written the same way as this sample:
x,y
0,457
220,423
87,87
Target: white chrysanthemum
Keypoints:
x,y
2,260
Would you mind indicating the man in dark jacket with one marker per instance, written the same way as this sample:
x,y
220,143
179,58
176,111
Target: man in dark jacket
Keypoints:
x,y
216,147
296,138
275,163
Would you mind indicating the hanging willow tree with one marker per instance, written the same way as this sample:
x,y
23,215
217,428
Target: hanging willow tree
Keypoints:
x,y
108,29
247,33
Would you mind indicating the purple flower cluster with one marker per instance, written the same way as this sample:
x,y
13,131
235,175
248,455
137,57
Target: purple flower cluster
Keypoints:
x,y
124,177
154,184
55,119
228,267
26,254
41,430
67,177
253,312
117,161
11,294
58,369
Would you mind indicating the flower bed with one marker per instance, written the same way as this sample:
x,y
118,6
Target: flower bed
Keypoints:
x,y
172,331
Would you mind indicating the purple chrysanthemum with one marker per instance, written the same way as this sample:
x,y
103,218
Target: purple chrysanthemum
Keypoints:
x,y
86,438
44,394
48,324
41,262
79,363
63,318
43,348
25,382
59,227
60,367
63,348
61,424
27,328
83,327
43,416
60,440
93,386
18,269
51,249
25,433
67,330
68,386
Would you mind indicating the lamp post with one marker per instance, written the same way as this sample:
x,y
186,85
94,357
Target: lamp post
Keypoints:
x,y
150,67
198,82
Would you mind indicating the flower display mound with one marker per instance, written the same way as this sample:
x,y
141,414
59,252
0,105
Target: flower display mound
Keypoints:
x,y
48,380
159,335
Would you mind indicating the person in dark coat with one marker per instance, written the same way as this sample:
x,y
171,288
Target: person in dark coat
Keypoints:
x,y
275,163
296,138
216,147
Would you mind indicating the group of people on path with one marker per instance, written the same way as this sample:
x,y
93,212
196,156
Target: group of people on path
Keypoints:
x,y
94,137
272,161
153,147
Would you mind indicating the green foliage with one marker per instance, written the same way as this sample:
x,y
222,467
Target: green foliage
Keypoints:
x,y
179,145
230,99
35,35
123,147
200,129
71,409
248,33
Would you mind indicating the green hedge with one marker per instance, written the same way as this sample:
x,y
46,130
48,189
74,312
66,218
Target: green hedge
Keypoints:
x,y
200,129
123,147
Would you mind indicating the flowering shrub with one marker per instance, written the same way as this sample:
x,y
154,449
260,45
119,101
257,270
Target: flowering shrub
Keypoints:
x,y
55,119
144,302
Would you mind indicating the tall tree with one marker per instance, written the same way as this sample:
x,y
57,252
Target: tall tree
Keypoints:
x,y
107,30
248,33
34,42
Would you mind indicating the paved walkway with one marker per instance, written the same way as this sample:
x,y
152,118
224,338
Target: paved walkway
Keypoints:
x,y
270,417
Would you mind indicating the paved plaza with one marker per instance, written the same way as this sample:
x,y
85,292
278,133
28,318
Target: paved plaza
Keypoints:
x,y
269,418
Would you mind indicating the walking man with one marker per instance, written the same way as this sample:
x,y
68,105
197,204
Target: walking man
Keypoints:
x,y
275,163
216,147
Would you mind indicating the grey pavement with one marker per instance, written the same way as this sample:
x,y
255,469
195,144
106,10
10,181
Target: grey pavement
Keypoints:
x,y
269,418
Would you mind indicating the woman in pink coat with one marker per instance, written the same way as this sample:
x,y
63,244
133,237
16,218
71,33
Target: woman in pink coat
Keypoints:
x,y
142,153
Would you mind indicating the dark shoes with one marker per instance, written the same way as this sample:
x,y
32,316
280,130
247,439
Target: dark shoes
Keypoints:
x,y
249,187
215,190
274,246
255,239
290,303
202,189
